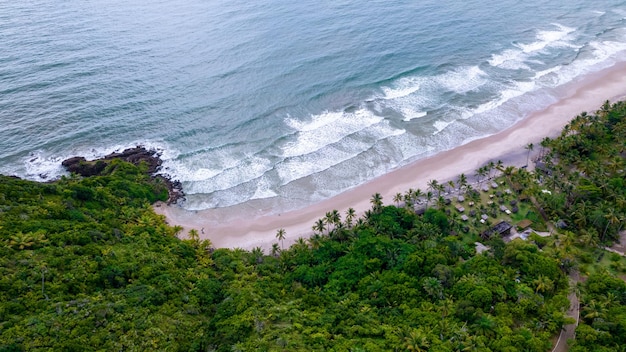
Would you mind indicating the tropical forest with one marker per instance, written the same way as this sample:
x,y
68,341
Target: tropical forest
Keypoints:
x,y
507,263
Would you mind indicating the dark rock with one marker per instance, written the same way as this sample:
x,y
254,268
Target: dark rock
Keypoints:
x,y
83,167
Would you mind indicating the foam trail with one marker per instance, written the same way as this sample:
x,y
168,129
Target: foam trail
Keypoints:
x,y
462,80
412,114
547,39
405,87
325,129
301,166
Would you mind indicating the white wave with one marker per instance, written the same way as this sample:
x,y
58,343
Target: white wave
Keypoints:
x,y
510,59
606,49
325,129
263,190
404,87
410,114
304,165
246,170
42,166
462,80
518,89
441,125
547,38
540,74
519,57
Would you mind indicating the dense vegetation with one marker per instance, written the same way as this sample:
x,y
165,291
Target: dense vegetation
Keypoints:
x,y
86,265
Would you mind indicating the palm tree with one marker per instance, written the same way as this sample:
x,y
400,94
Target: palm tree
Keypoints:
x,y
350,214
529,147
490,166
433,185
480,173
462,181
429,197
611,218
336,217
417,194
21,240
433,287
450,186
441,203
417,341
319,226
280,235
257,255
194,236
543,283
398,198
377,202
328,219
275,250
499,165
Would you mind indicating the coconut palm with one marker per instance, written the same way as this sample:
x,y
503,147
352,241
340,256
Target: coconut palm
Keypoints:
x,y
377,202
433,185
451,186
275,250
529,147
350,215
462,181
398,198
280,235
417,193
319,226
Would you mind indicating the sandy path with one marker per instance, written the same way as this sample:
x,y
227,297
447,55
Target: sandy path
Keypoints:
x,y
244,227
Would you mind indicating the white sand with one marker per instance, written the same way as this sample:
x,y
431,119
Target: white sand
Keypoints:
x,y
241,227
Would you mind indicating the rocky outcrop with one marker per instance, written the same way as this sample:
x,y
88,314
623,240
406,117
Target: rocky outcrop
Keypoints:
x,y
151,158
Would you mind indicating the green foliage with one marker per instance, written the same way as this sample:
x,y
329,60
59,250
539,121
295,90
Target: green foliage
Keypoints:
x,y
86,265
602,325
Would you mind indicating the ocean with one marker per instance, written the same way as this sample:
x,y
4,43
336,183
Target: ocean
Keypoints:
x,y
285,102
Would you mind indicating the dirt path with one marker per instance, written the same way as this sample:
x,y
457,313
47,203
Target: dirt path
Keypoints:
x,y
569,331
619,247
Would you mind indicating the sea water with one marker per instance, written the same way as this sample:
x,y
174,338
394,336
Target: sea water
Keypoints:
x,y
286,101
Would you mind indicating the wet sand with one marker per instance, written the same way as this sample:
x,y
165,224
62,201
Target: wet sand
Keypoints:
x,y
248,227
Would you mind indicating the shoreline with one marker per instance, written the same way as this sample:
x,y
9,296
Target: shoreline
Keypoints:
x,y
242,226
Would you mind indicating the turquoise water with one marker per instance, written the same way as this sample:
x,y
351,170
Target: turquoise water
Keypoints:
x,y
283,100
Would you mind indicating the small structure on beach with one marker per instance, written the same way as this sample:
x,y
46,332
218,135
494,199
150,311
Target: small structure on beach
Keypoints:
x,y
460,199
494,185
502,228
524,224
485,188
541,166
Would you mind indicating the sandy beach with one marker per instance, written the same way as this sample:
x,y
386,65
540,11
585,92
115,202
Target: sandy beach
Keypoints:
x,y
243,227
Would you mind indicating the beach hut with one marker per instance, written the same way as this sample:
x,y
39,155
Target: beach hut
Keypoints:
x,y
485,188
484,217
460,199
494,185
464,217
502,228
524,224
503,208
460,208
